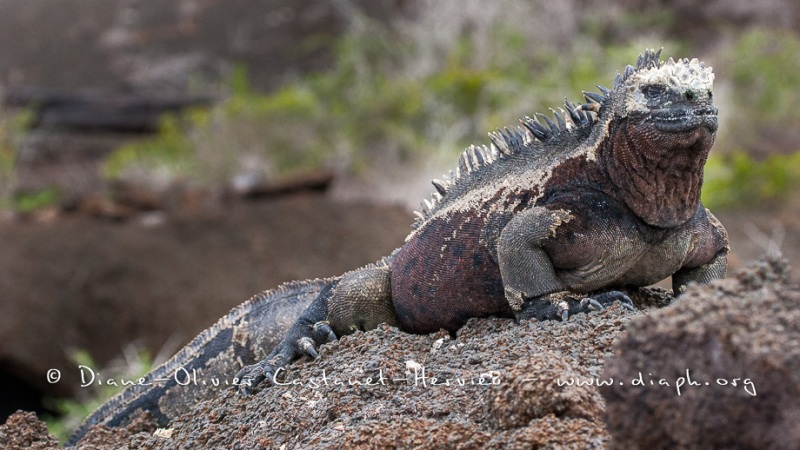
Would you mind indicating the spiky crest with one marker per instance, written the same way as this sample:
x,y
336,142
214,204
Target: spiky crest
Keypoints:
x,y
538,130
505,143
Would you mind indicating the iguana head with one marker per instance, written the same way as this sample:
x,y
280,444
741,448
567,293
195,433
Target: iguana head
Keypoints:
x,y
662,124
672,97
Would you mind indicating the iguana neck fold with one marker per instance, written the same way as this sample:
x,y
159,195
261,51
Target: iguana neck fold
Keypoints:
x,y
658,177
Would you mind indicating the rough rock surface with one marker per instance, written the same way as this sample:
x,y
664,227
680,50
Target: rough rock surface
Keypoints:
x,y
510,397
738,339
742,327
24,430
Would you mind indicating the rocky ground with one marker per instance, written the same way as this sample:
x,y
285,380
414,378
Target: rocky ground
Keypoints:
x,y
724,361
505,385
509,397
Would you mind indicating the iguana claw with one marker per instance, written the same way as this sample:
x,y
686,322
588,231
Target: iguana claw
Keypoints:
x,y
323,332
590,304
307,346
251,376
562,306
601,301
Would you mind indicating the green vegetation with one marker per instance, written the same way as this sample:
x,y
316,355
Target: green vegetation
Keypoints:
x,y
12,131
738,180
757,158
72,412
11,128
32,201
383,104
7,172
168,152
418,92
763,69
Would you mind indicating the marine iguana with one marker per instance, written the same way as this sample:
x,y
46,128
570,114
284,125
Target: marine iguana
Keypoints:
x,y
544,223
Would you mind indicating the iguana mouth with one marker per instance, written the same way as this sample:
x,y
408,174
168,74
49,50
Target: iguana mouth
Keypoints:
x,y
682,119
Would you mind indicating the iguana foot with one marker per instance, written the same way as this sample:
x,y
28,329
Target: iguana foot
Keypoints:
x,y
300,341
561,305
606,299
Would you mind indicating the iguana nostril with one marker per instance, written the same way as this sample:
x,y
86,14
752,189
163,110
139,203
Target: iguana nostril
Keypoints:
x,y
690,95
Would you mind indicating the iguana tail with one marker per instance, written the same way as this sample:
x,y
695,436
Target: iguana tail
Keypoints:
x,y
245,335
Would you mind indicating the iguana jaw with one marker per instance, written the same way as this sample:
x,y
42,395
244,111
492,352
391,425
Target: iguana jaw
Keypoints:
x,y
685,118
671,131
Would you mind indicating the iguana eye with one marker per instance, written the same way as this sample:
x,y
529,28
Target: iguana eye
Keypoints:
x,y
653,91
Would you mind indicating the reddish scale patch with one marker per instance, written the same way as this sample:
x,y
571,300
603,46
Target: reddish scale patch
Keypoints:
x,y
440,280
576,173
522,199
658,174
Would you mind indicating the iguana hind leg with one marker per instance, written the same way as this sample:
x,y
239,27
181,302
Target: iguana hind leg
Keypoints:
x,y
308,332
362,300
358,300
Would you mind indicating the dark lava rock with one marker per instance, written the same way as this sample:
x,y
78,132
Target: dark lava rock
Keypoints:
x,y
25,430
498,384
724,363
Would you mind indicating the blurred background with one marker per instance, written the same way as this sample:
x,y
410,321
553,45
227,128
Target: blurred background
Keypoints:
x,y
160,162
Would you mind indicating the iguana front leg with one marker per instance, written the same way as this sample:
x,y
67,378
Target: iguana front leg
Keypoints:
x,y
530,282
703,274
709,259
358,300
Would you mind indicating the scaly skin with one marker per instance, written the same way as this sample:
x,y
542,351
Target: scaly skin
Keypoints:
x,y
244,335
543,224
548,214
